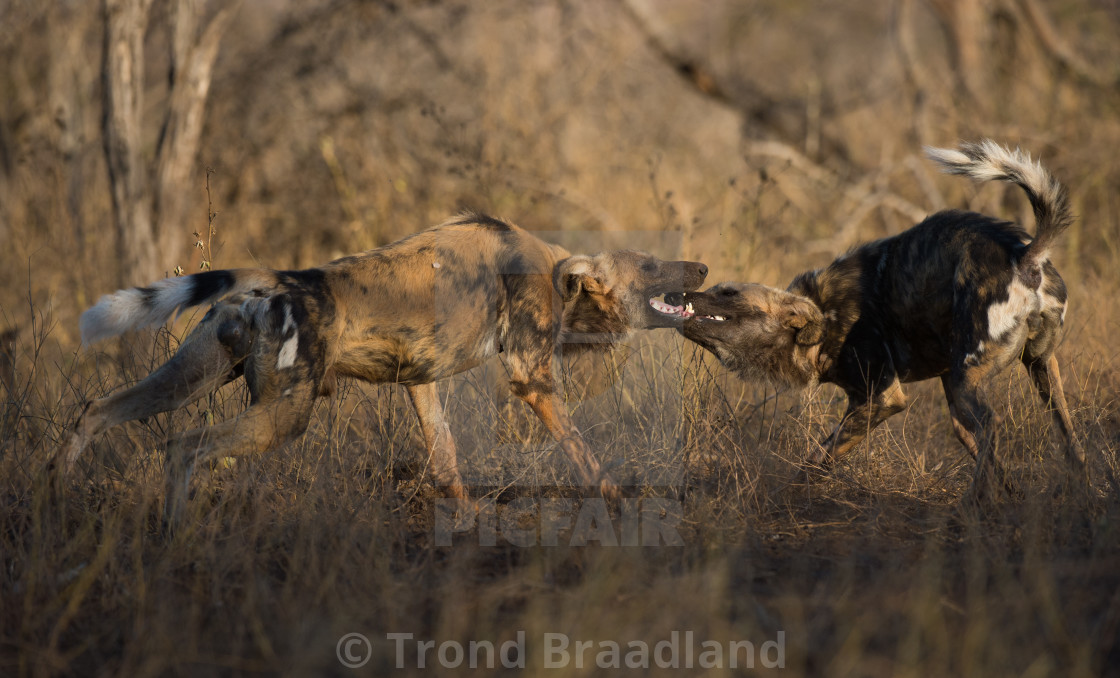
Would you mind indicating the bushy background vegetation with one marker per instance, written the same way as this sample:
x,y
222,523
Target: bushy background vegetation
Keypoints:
x,y
761,137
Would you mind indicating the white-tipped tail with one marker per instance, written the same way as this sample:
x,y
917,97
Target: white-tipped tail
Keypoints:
x,y
135,308
989,161
140,307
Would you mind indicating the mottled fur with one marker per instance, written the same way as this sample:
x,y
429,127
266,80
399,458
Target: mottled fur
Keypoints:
x,y
959,296
412,312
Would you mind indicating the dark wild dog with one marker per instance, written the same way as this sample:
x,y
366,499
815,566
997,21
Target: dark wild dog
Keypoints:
x,y
412,312
959,296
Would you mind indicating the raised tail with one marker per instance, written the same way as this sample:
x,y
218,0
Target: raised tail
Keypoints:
x,y
987,161
138,307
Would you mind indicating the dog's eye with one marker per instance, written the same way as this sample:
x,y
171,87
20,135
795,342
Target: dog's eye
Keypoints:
x,y
728,292
649,267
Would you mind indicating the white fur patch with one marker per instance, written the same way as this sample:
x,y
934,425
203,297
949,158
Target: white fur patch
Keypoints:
x,y
947,156
974,357
1005,316
289,321
487,345
134,308
288,353
287,356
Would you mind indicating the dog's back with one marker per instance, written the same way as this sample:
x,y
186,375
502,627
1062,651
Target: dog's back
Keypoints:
x,y
461,254
958,278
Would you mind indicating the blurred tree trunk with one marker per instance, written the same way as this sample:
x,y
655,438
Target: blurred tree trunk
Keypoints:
x,y
123,74
150,197
967,23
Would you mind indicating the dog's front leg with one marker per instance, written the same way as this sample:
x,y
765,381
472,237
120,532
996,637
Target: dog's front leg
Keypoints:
x,y
551,410
534,364
437,437
863,415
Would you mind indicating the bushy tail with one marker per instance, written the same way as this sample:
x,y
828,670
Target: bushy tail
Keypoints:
x,y
987,160
138,307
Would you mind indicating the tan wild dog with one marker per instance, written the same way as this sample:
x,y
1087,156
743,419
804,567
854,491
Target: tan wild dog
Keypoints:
x,y
412,312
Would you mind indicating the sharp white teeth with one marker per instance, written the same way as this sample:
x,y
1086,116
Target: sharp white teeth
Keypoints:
x,y
688,308
720,318
669,309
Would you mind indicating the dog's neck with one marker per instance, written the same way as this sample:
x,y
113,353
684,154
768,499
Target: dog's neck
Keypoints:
x,y
836,290
591,324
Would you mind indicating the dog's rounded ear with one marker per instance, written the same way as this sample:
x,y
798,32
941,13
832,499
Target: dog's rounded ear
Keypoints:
x,y
574,275
806,319
811,334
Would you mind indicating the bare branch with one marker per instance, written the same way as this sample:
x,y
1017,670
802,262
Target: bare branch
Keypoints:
x,y
8,359
1058,49
862,197
688,69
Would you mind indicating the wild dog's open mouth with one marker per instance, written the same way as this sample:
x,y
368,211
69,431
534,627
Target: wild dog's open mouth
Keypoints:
x,y
664,307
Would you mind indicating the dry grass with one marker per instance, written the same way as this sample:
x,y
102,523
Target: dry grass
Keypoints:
x,y
339,126
875,571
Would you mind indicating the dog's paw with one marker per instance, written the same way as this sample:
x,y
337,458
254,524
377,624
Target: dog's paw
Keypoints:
x,y
609,489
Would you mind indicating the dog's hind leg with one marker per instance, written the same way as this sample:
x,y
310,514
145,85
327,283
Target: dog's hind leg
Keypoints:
x,y
209,357
1048,381
862,416
264,426
437,437
972,422
284,382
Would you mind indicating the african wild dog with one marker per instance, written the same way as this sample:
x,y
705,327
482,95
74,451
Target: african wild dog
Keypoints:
x,y
959,296
412,312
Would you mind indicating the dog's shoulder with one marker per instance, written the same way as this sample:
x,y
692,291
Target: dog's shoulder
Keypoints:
x,y
837,288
